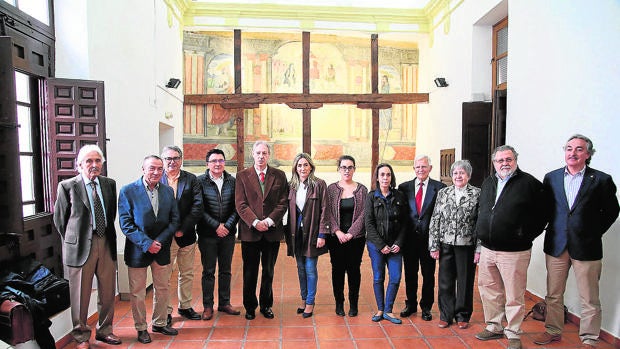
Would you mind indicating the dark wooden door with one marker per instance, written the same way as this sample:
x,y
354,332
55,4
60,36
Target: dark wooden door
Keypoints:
x,y
76,117
11,225
477,118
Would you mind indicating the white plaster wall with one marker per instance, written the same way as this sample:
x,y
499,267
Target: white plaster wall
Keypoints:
x,y
562,79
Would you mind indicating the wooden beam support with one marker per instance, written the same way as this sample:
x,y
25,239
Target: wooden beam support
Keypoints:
x,y
240,120
374,84
374,105
306,138
305,105
325,98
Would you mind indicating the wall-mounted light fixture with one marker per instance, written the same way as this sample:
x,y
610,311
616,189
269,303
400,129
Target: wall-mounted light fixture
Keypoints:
x,y
441,82
173,83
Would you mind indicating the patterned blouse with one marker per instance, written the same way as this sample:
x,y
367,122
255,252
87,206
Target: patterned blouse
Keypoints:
x,y
452,223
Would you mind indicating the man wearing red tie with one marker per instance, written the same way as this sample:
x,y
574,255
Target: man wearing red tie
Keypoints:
x,y
421,193
261,193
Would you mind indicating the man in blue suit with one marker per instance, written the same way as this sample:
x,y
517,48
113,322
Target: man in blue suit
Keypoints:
x,y
583,205
421,193
148,216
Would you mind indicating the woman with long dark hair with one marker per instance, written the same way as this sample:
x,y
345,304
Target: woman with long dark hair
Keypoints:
x,y
385,217
346,242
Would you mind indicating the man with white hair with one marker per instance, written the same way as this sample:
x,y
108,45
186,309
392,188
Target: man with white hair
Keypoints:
x,y
84,215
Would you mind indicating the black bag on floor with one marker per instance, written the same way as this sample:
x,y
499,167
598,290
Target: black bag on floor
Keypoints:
x,y
539,312
34,279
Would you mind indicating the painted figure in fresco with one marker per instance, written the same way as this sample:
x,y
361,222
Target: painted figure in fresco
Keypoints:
x,y
289,76
385,115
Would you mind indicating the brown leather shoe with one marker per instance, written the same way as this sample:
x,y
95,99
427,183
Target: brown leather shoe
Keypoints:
x,y
83,345
463,325
111,339
228,309
207,314
546,338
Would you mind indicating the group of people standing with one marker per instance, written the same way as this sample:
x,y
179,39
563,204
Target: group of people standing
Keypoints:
x,y
167,210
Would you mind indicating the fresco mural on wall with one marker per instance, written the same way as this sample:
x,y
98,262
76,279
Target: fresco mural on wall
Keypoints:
x,y
272,63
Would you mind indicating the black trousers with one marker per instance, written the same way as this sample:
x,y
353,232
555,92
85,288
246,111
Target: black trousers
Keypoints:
x,y
253,253
215,251
415,257
456,282
346,259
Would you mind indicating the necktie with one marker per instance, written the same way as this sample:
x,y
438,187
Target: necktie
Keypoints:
x,y
418,198
261,176
99,214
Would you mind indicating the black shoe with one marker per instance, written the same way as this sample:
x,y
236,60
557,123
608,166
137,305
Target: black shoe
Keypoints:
x,y
190,314
267,313
250,314
339,309
144,337
169,320
166,330
426,315
353,312
300,310
408,310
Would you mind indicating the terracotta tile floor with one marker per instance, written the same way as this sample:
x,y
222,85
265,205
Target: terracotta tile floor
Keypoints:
x,y
325,330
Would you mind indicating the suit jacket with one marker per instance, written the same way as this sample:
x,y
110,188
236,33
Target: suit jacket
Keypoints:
x,y
313,218
139,223
189,201
581,227
421,222
454,223
73,218
252,204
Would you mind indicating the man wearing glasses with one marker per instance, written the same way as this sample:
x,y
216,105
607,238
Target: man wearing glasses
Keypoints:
x,y
216,233
188,195
510,217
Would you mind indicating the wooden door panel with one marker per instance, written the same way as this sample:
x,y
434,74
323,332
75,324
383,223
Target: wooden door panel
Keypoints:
x,y
476,145
76,117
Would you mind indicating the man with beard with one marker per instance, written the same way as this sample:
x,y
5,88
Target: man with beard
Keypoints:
x,y
510,217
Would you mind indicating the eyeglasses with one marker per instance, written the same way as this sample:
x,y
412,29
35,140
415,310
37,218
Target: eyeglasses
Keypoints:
x,y
217,161
176,158
506,160
347,168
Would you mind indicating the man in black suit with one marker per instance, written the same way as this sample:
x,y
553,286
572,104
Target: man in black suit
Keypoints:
x,y
421,193
583,205
188,195
89,243
261,198
149,217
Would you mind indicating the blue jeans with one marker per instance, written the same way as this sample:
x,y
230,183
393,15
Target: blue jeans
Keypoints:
x,y
308,277
394,262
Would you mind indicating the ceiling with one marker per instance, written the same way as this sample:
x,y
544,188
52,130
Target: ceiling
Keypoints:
x,y
353,16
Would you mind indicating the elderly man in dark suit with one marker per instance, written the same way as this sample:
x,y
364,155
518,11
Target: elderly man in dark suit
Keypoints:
x,y
188,194
84,215
583,205
261,194
421,193
148,216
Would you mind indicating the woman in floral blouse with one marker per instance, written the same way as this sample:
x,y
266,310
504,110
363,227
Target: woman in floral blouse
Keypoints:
x,y
452,240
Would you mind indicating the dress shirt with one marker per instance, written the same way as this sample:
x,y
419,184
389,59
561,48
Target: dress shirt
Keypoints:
x,y
572,183
89,191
